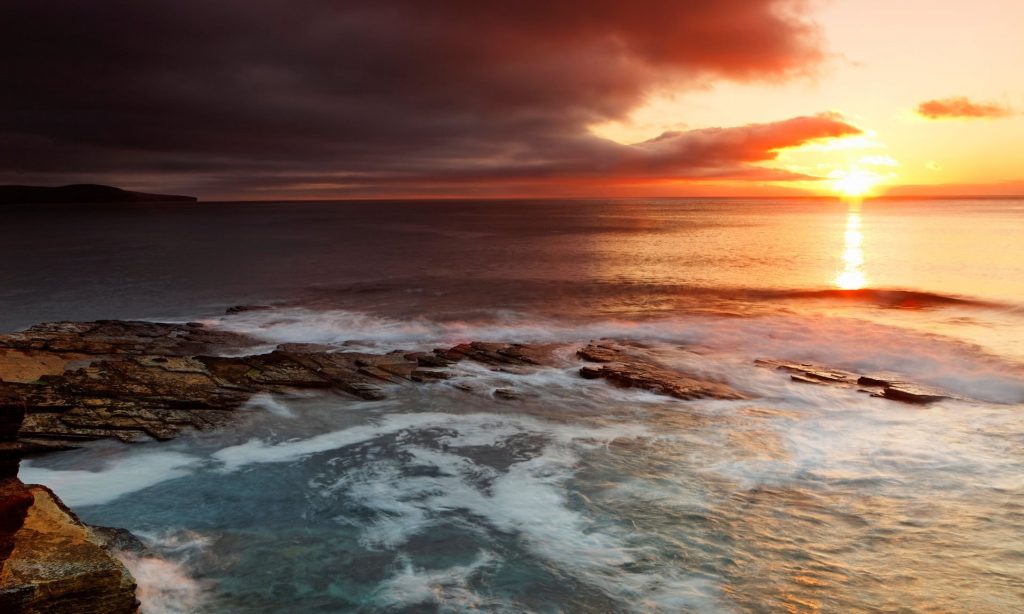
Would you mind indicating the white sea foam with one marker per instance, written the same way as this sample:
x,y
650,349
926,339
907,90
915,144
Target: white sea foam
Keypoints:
x,y
530,499
165,585
476,427
129,473
269,403
447,589
260,451
406,504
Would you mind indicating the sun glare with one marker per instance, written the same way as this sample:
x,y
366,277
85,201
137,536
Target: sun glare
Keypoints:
x,y
855,182
852,276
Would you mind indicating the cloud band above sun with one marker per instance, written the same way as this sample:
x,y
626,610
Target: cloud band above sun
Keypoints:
x,y
221,97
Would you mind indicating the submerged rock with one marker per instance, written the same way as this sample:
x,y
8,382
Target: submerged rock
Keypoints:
x,y
508,394
245,308
878,385
629,367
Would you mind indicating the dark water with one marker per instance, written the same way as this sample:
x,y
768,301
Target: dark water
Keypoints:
x,y
581,497
636,258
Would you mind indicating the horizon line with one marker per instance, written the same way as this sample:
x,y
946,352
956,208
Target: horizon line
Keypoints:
x,y
837,197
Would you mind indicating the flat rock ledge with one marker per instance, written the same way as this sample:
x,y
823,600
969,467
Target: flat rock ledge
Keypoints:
x,y
877,385
628,367
137,381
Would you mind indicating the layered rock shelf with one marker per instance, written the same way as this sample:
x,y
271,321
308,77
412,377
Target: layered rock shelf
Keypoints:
x,y
627,367
136,381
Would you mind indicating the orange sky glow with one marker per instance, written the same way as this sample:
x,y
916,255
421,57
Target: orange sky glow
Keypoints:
x,y
888,63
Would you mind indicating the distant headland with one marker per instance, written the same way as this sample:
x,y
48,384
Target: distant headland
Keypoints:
x,y
81,193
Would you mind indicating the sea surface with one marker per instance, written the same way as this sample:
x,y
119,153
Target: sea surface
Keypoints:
x,y
579,497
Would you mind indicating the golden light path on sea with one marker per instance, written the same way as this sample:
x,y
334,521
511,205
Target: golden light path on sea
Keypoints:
x,y
852,276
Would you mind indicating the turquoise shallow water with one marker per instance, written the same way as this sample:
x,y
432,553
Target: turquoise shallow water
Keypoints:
x,y
581,497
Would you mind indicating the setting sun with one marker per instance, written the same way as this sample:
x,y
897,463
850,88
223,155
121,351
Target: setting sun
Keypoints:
x,y
855,182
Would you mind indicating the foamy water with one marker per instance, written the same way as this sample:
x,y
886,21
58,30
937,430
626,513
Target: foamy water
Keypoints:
x,y
582,497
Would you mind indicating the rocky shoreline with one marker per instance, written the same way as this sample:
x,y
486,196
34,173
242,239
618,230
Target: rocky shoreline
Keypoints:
x,y
64,384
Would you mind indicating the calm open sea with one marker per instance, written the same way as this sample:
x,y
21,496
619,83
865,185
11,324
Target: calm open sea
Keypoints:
x,y
581,497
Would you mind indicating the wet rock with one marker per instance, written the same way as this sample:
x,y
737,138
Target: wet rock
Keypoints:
x,y
811,374
500,354
629,367
595,352
133,399
304,348
120,540
428,375
136,398
244,308
507,394
424,359
879,385
15,499
59,565
116,337
11,451
391,367
140,381
29,365
913,393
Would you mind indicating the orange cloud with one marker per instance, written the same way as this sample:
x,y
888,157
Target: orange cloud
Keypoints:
x,y
589,165
959,107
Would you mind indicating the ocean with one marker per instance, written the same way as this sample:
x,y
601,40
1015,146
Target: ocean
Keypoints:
x,y
578,496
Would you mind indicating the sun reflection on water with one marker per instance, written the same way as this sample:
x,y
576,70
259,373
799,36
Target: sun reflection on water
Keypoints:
x,y
852,276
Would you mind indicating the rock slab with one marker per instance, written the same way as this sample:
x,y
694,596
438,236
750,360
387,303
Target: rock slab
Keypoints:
x,y
58,565
629,367
878,385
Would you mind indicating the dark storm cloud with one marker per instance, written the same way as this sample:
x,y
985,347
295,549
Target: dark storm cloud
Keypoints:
x,y
218,96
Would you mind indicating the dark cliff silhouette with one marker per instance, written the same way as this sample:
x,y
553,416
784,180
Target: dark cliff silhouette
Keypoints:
x,y
81,193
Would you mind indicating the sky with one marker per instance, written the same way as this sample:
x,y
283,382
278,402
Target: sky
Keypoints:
x,y
302,99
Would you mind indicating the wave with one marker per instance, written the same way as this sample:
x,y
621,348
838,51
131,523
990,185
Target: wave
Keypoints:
x,y
442,468
471,292
162,573
131,472
893,298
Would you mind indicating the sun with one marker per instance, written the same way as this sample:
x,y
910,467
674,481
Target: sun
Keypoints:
x,y
854,182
